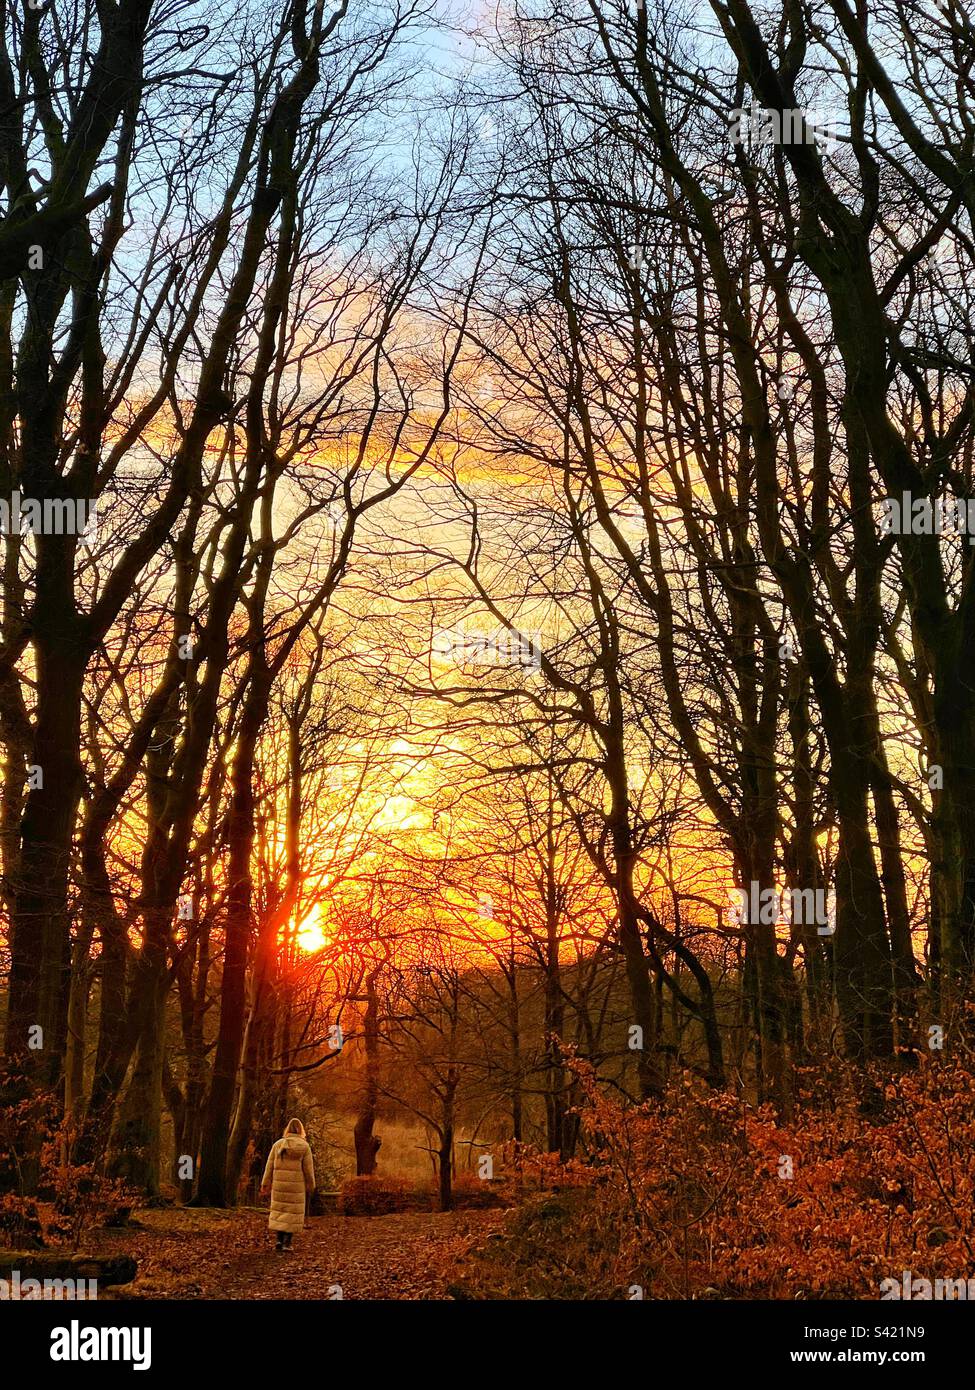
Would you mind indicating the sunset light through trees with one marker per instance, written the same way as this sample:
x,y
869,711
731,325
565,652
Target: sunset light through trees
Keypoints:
x,y
487,661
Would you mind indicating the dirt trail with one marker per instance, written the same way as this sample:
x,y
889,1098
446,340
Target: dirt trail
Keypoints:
x,y
186,1253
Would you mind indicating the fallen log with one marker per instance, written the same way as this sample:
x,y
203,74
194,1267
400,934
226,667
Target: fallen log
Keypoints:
x,y
55,1264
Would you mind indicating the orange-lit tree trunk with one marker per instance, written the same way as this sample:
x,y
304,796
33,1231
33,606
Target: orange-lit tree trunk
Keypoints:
x,y
367,1144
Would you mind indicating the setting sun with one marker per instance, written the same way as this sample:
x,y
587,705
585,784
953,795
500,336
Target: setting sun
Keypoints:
x,y
310,935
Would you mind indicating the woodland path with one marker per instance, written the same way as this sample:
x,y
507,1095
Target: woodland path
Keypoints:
x,y
196,1254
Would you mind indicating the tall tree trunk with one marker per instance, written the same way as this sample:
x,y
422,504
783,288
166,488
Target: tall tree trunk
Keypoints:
x,y
642,997
514,1033
40,947
802,861
135,1153
367,1144
74,1064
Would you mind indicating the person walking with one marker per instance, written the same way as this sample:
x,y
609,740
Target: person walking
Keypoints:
x,y
290,1174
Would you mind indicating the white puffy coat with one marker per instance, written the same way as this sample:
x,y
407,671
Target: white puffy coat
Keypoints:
x,y
291,1172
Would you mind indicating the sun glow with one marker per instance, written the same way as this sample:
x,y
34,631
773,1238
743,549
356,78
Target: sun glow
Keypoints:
x,y
310,935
